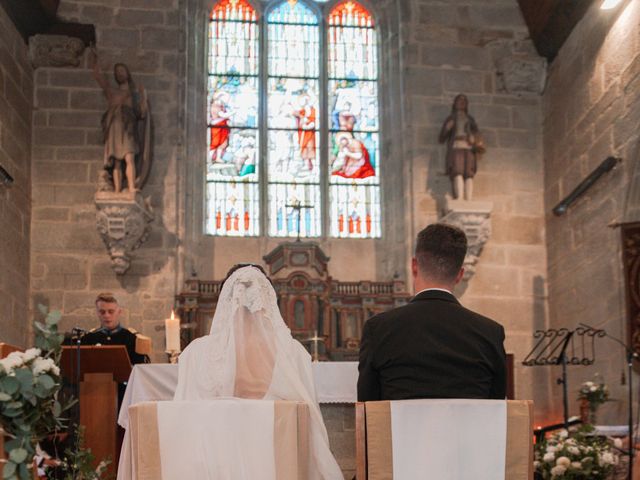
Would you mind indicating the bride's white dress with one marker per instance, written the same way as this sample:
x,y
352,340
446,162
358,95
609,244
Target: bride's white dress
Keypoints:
x,y
250,353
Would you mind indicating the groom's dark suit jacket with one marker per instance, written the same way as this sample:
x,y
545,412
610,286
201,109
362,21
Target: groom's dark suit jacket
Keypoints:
x,y
432,347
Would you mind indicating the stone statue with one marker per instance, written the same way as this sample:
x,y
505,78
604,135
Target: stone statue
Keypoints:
x,y
464,145
126,129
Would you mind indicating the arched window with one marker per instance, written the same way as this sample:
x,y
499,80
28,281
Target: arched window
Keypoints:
x,y
293,141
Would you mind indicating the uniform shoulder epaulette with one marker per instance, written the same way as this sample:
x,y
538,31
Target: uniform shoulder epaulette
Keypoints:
x,y
93,330
133,330
143,345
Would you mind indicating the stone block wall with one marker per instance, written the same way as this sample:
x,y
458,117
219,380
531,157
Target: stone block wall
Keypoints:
x,y
16,92
474,48
70,263
592,110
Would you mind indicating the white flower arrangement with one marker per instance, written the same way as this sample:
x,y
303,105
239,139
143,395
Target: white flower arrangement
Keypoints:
x,y
576,455
29,406
594,393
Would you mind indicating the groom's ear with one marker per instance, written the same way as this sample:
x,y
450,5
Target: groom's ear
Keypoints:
x,y
459,276
414,267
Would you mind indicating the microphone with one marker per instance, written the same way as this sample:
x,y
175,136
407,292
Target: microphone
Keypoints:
x,y
78,331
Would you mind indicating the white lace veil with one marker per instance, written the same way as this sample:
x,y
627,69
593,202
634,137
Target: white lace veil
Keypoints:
x,y
250,353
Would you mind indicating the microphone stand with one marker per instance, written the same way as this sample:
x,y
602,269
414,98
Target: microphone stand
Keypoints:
x,y
631,355
79,334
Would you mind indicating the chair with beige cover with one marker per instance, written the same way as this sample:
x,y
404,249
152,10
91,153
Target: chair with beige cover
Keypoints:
x,y
461,437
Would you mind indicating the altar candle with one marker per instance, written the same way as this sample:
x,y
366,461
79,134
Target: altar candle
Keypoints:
x,y
172,333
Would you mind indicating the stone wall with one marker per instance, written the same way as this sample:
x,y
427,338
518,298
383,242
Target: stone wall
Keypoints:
x,y
592,110
480,49
429,52
70,263
16,92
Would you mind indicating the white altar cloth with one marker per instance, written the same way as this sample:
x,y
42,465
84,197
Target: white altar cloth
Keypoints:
x,y
336,382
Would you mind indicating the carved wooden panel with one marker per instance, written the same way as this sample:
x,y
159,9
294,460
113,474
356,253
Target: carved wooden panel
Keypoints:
x,y
631,259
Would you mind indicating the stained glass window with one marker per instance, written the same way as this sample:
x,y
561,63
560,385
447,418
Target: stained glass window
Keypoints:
x,y
293,122
233,174
354,173
274,114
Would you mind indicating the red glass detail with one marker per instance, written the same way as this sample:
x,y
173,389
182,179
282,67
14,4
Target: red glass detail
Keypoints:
x,y
246,221
233,10
368,221
350,224
227,222
341,223
358,225
351,13
218,220
236,222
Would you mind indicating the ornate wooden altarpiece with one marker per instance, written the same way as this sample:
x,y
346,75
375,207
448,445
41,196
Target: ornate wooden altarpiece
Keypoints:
x,y
312,303
631,258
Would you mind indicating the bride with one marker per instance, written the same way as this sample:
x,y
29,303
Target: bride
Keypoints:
x,y
250,353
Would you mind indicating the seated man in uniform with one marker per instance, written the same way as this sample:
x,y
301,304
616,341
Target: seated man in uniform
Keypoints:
x,y
111,332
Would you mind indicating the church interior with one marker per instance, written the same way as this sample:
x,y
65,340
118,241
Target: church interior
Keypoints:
x,y
320,160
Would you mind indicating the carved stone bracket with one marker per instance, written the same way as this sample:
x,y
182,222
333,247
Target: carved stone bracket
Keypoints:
x,y
474,218
55,51
123,221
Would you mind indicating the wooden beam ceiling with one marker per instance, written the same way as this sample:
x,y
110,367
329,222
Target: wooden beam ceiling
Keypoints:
x,y
551,21
32,17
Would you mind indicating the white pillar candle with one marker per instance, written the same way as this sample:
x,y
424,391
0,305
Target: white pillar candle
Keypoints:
x,y
172,333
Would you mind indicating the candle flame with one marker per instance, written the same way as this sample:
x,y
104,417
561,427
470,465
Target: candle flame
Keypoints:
x,y
173,315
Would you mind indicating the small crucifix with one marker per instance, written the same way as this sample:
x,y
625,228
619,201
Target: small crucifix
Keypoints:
x,y
297,206
314,341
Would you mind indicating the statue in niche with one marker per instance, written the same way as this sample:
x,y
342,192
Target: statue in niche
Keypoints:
x,y
464,146
126,129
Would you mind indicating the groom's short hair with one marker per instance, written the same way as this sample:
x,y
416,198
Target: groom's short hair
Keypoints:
x,y
440,251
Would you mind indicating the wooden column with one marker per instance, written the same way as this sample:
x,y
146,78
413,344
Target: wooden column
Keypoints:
x,y
98,414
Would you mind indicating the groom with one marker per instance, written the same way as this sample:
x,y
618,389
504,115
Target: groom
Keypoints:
x,y
433,347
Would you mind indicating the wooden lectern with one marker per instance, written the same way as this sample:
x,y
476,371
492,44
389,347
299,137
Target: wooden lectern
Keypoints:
x,y
101,369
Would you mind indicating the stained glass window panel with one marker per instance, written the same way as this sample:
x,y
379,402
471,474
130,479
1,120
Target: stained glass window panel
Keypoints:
x,y
354,157
233,38
293,156
354,150
352,45
355,211
353,105
238,160
233,209
294,42
293,104
283,200
232,171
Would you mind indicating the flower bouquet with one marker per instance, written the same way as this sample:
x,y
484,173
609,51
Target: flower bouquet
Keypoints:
x,y
591,396
29,406
578,455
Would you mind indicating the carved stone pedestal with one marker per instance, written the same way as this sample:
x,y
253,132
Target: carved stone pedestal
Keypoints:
x,y
474,218
123,221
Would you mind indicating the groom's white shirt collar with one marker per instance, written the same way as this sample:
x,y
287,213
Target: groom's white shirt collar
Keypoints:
x,y
429,289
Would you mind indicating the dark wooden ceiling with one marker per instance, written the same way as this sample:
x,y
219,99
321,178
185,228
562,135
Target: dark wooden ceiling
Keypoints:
x,y
32,17
551,21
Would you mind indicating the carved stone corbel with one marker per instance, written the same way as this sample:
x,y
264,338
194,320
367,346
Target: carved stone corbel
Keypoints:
x,y
123,221
55,51
474,218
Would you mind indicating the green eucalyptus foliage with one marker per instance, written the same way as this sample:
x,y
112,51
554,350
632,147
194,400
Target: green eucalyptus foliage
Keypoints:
x,y
77,463
29,406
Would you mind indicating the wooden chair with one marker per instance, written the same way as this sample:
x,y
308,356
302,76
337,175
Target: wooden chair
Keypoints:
x,y
374,456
